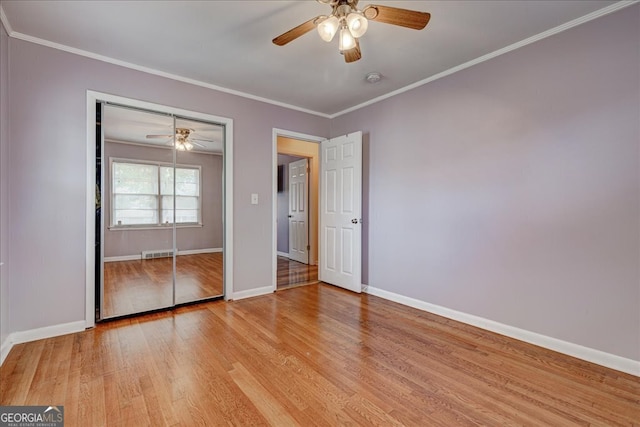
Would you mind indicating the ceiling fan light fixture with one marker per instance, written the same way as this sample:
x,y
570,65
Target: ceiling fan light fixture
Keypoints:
x,y
181,141
357,23
353,23
328,28
347,41
184,146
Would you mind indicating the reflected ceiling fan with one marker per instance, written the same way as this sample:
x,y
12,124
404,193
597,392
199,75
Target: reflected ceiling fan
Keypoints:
x,y
352,23
184,141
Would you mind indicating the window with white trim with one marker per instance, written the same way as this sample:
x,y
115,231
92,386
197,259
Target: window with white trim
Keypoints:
x,y
142,194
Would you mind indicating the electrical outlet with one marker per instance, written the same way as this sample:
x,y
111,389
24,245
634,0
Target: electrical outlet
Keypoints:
x,y
254,198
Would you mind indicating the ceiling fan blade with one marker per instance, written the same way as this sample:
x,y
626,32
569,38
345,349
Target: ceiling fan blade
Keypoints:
x,y
201,139
296,32
352,55
159,136
195,143
396,16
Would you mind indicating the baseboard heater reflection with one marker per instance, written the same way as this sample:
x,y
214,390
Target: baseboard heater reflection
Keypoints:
x,y
164,253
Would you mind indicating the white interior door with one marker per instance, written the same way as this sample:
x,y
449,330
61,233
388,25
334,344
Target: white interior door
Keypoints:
x,y
299,211
341,211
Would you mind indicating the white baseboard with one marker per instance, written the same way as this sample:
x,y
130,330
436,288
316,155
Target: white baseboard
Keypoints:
x,y
122,258
585,353
185,252
38,334
199,251
253,292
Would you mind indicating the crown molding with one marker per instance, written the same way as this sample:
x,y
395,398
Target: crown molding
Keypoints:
x,y
148,70
560,28
5,21
586,18
159,73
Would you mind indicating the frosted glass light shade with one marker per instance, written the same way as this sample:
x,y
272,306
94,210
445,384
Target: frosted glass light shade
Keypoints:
x,y
182,145
357,24
328,28
347,41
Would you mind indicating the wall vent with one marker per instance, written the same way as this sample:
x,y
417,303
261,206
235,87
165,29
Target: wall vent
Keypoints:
x,y
164,253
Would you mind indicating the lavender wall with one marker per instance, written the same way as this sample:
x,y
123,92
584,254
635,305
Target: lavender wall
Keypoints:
x,y
4,184
510,190
132,242
48,169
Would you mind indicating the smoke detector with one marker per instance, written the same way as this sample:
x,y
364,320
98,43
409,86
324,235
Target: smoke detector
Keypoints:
x,y
373,77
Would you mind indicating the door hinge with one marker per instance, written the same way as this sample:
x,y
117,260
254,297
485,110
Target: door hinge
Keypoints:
x,y
308,247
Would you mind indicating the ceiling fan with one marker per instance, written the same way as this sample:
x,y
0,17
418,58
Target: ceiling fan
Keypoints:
x,y
183,139
353,23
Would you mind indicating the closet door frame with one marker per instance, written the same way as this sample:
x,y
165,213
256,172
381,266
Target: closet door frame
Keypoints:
x,y
93,98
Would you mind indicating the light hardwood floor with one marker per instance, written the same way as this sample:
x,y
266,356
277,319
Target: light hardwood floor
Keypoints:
x,y
313,355
142,285
292,273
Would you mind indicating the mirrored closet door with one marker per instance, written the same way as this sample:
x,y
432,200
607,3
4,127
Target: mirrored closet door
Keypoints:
x,y
161,211
198,211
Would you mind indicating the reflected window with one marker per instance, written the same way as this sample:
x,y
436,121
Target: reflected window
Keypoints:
x,y
187,196
143,194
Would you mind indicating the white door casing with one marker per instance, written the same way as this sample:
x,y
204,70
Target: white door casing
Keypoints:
x,y
341,211
299,211
91,100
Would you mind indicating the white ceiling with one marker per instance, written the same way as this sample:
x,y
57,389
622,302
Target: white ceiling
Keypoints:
x,y
227,44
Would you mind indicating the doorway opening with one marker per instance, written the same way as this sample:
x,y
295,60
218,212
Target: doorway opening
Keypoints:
x,y
295,265
295,214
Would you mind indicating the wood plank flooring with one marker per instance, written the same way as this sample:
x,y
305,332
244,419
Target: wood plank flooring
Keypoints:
x,y
292,273
314,355
142,285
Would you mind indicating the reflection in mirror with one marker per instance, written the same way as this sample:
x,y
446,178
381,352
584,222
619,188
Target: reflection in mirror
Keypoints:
x,y
162,211
137,233
198,210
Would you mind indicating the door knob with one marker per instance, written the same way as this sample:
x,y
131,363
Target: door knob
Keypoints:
x,y
290,216
354,221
